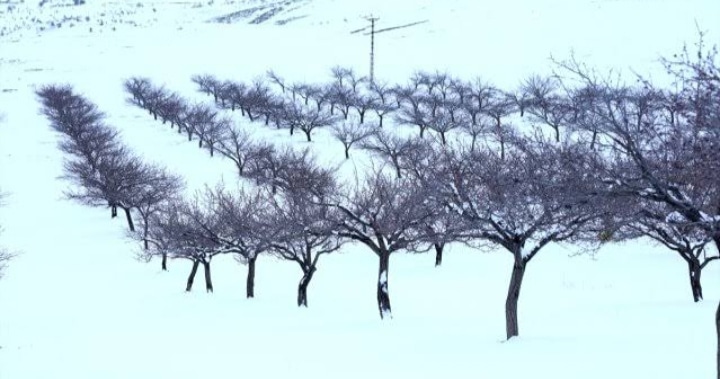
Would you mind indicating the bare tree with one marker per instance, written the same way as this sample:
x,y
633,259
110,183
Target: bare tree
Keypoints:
x,y
209,85
263,164
415,109
446,226
386,215
534,195
295,115
244,230
671,230
139,90
303,233
236,145
158,187
177,231
498,108
277,80
390,147
544,102
384,103
446,119
350,133
341,98
661,158
479,95
363,102
173,109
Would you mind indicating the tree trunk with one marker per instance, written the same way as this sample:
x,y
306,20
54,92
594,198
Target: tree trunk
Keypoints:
x,y
113,211
302,300
146,232
511,303
442,137
191,277
128,216
439,247
694,271
383,295
164,262
362,116
381,120
250,286
307,134
208,278
347,152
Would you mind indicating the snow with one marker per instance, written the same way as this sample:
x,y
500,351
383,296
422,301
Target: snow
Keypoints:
x,y
675,217
525,252
383,279
75,302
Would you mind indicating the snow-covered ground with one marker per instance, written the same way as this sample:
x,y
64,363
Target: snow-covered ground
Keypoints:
x,y
76,304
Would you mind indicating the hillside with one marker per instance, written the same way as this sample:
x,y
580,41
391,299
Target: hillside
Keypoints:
x,y
77,303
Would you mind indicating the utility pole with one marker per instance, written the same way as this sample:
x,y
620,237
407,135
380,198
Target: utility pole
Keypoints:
x,y
372,47
374,31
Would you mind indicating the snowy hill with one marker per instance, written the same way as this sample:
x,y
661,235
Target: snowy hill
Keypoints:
x,y
76,303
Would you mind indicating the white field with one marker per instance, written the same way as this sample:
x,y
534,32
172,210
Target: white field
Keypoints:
x,y
75,303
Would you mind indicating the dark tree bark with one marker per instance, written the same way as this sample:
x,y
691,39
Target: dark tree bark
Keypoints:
x,y
347,152
302,298
383,294
694,271
511,303
208,278
128,216
164,262
250,286
113,211
439,247
191,277
307,134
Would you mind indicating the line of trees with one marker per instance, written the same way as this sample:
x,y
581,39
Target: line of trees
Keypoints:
x,y
103,171
614,165
573,157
